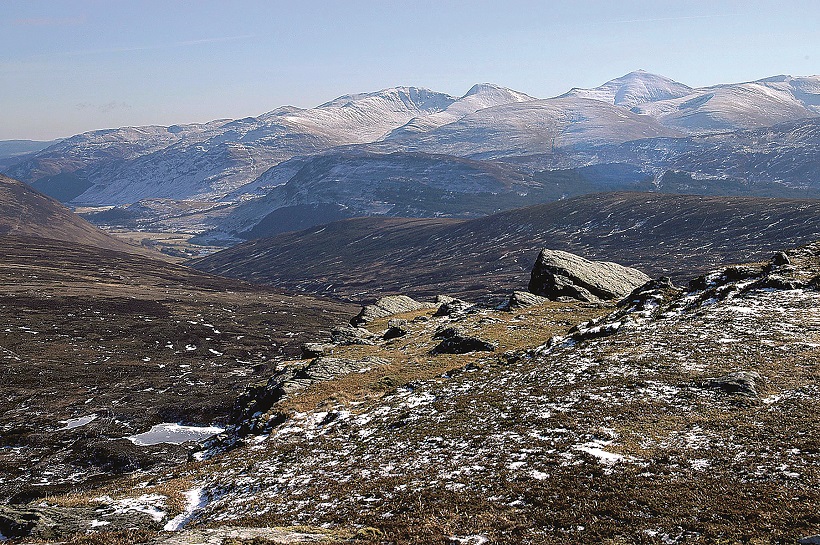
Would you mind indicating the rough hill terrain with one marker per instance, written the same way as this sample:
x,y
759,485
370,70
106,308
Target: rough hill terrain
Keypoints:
x,y
27,212
678,415
675,235
97,345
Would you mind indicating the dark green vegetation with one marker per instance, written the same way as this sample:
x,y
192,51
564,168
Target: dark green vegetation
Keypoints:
x,y
674,235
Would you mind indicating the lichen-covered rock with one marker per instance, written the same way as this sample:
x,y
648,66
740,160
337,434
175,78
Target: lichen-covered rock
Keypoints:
x,y
456,308
316,350
523,299
345,335
388,306
561,275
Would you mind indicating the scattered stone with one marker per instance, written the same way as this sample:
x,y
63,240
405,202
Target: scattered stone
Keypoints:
x,y
743,383
395,332
462,344
456,309
780,258
347,335
523,299
315,350
388,306
396,322
448,332
561,275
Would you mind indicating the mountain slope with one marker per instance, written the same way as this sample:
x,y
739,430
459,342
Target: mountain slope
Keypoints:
x,y
674,235
26,212
206,161
536,126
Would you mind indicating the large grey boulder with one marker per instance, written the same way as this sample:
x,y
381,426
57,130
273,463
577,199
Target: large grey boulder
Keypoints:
x,y
561,275
388,306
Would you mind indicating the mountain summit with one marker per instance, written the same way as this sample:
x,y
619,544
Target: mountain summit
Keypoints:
x,y
633,89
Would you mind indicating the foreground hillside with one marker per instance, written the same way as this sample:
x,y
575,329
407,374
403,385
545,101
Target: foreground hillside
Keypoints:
x,y
98,345
674,235
677,415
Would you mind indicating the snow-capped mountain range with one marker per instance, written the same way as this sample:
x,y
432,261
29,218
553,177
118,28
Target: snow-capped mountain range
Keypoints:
x,y
237,160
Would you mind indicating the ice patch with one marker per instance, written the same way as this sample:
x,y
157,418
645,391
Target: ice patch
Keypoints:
x,y
72,423
173,433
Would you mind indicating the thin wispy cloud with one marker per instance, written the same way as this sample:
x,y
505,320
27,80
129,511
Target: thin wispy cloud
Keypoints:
x,y
660,19
172,45
103,108
50,21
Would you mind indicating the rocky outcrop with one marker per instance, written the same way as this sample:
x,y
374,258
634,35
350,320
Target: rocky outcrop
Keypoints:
x,y
456,308
523,299
316,350
561,275
248,414
44,522
745,383
388,306
345,335
455,341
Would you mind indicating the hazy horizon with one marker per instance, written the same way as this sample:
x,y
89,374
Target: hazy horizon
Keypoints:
x,y
74,66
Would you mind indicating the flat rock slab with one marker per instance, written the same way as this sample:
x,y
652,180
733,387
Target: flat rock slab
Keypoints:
x,y
558,275
388,306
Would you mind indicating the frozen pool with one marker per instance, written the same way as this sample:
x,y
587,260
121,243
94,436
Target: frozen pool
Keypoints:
x,y
173,433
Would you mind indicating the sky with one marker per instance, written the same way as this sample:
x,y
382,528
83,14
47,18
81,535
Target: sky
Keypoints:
x,y
69,66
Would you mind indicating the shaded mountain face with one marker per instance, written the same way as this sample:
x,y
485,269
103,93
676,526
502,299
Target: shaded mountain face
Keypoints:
x,y
26,212
673,235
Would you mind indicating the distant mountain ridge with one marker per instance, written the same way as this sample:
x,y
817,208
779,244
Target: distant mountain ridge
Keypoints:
x,y
640,121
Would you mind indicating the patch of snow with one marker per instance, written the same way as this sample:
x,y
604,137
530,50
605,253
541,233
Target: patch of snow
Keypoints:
x,y
469,540
152,505
173,433
72,423
595,449
195,502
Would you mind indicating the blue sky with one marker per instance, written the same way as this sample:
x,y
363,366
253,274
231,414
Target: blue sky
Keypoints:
x,y
72,66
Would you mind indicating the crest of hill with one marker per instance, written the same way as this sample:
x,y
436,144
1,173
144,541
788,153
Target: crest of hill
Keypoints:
x,y
25,212
660,234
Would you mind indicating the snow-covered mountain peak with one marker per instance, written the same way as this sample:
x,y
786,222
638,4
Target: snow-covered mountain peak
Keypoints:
x,y
413,97
479,97
634,88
